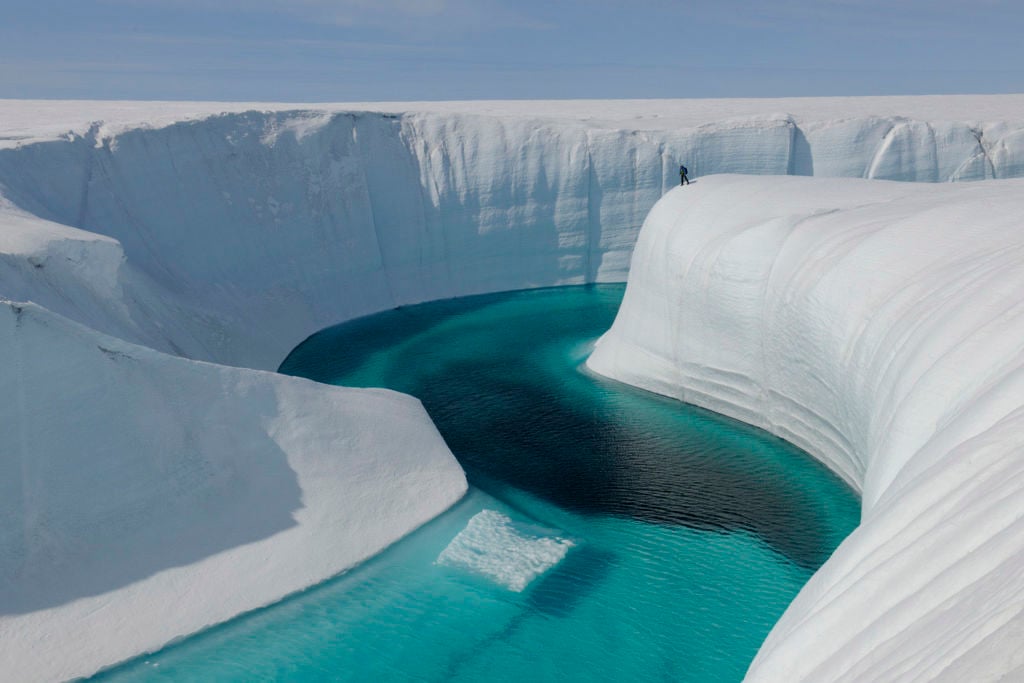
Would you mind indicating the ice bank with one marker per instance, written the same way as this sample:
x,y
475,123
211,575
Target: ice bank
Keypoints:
x,y
145,496
880,326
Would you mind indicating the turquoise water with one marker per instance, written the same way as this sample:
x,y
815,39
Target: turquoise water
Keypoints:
x,y
689,532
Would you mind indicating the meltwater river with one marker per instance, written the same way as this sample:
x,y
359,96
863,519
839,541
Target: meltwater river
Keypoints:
x,y
609,534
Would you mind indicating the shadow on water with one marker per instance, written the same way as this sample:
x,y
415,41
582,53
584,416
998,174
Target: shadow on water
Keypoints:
x,y
556,594
584,461
592,446
631,478
359,339
571,581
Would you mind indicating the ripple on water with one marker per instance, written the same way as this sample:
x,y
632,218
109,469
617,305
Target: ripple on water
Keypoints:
x,y
689,532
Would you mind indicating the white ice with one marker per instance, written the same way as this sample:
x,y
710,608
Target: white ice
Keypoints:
x,y
145,496
247,231
512,555
150,236
880,326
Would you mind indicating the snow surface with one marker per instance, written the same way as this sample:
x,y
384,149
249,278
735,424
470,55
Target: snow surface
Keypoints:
x,y
153,235
880,326
37,120
146,496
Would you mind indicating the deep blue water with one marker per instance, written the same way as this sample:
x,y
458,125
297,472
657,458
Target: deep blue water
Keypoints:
x,y
690,532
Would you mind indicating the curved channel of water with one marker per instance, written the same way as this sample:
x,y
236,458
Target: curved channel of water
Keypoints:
x,y
609,534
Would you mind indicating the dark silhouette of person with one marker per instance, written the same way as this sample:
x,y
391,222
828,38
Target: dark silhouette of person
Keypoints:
x,y
683,180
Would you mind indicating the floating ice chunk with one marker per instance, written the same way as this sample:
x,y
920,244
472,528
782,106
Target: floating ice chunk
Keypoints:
x,y
507,553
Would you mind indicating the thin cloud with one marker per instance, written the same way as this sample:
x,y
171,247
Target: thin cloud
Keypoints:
x,y
305,44
446,16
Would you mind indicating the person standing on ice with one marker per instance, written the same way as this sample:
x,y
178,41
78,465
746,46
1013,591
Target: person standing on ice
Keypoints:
x,y
683,180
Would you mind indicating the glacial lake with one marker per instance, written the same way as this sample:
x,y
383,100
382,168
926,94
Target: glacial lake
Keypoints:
x,y
609,534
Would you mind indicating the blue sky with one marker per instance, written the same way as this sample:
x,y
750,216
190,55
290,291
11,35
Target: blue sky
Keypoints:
x,y
348,50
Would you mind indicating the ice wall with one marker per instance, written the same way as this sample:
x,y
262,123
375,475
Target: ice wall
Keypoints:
x,y
246,232
879,326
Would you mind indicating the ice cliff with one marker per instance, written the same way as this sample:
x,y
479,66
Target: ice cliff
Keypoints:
x,y
879,326
152,236
245,232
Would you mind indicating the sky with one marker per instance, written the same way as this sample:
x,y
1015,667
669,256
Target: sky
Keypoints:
x,y
394,50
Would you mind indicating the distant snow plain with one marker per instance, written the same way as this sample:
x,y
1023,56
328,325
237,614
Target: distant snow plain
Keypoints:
x,y
156,258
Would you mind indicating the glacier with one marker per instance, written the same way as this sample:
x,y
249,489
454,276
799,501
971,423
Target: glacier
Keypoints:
x,y
157,257
879,326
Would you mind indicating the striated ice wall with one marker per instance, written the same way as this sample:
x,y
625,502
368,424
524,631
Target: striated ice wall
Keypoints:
x,y
246,232
879,326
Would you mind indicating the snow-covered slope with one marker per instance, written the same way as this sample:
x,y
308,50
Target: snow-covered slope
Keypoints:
x,y
229,232
881,327
145,496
